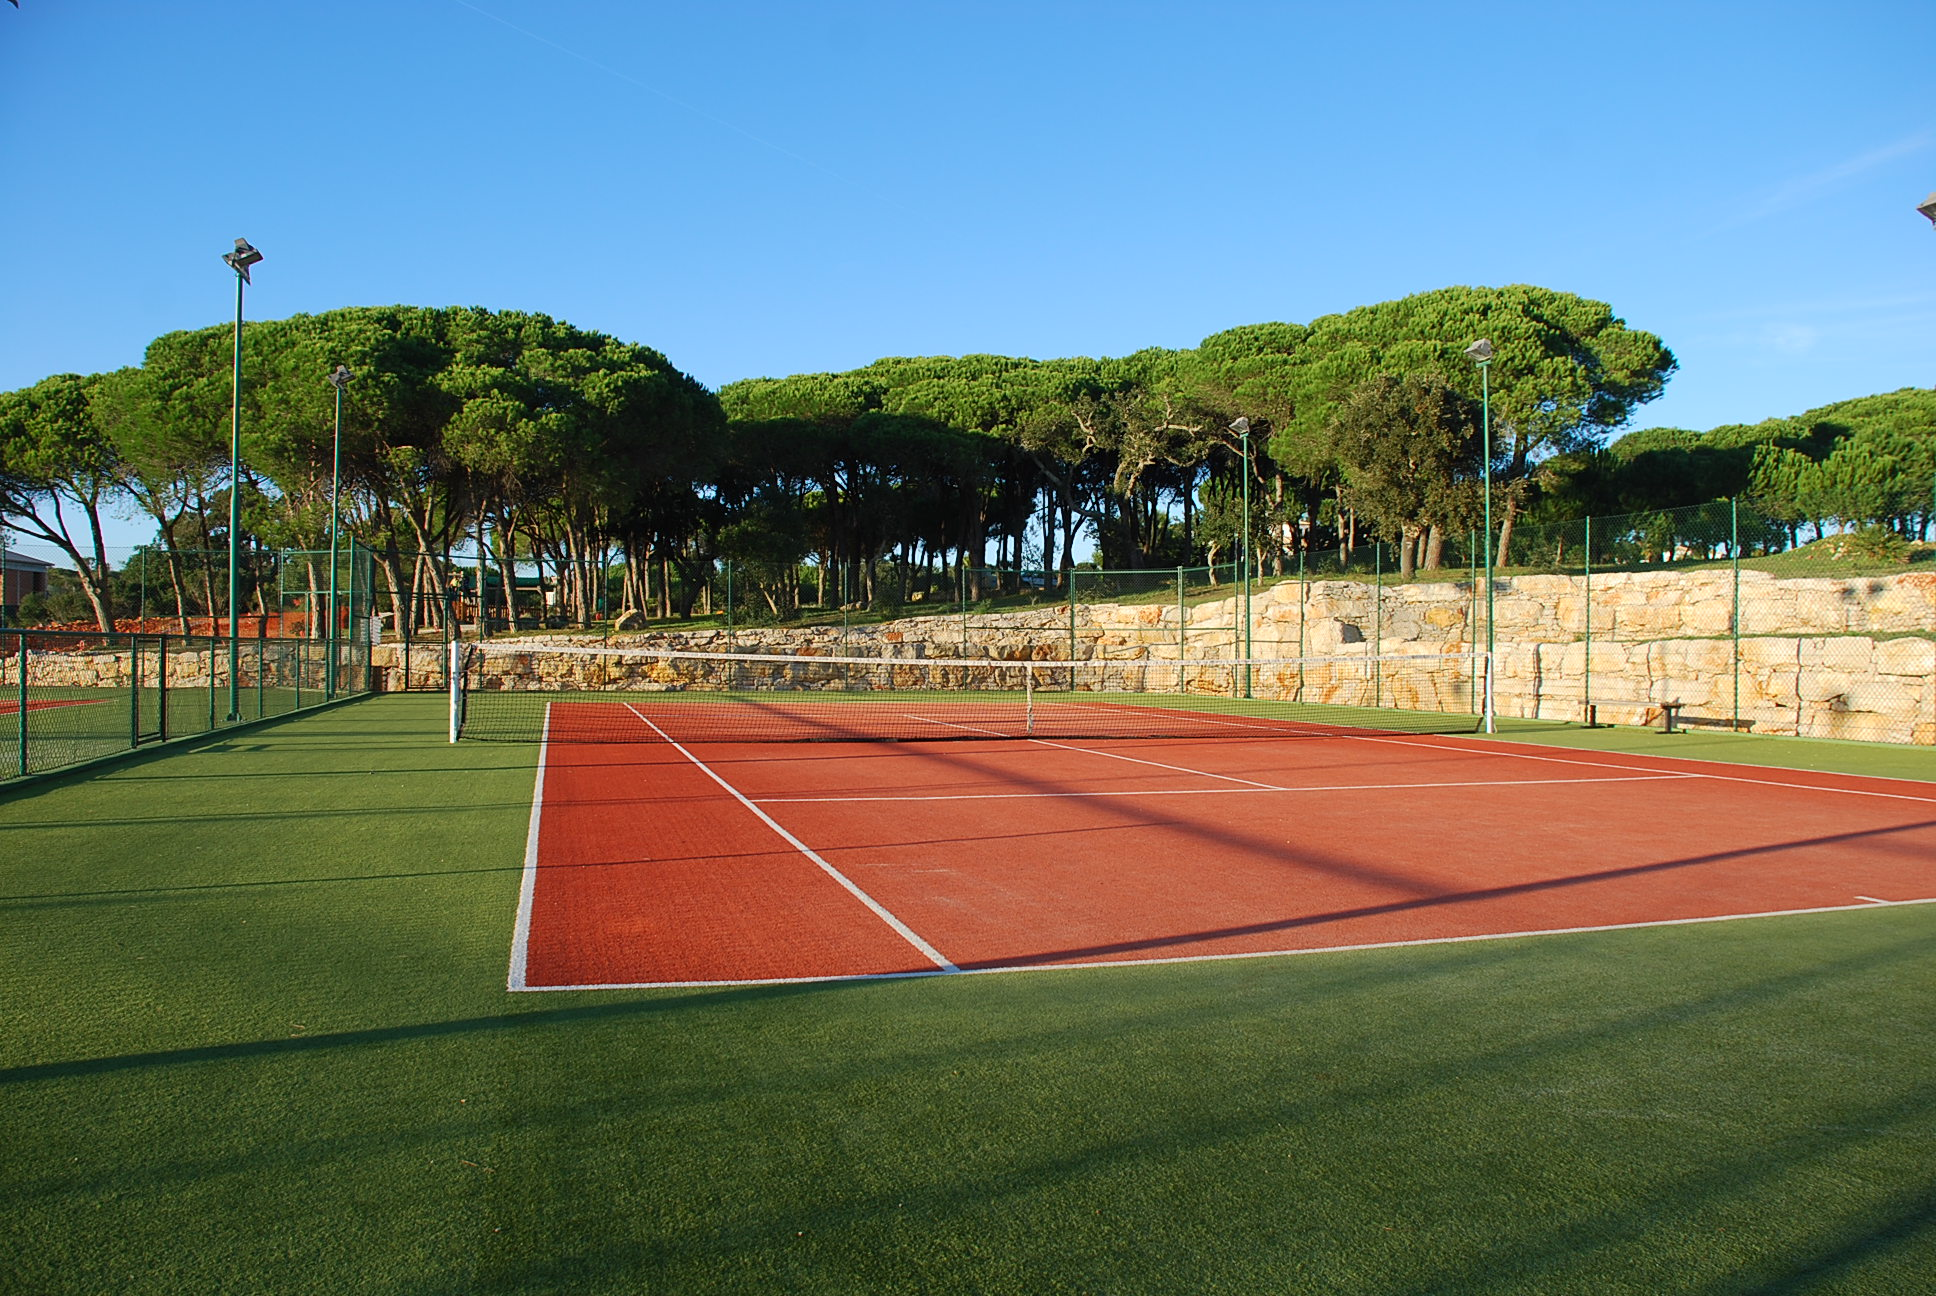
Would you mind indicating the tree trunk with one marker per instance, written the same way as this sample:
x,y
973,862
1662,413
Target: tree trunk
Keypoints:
x,y
1505,532
507,548
1434,547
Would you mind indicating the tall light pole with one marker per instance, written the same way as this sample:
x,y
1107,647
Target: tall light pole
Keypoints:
x,y
1928,208
1480,353
239,261
1242,428
339,380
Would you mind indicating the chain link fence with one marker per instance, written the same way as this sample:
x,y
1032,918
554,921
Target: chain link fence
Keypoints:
x,y
1723,615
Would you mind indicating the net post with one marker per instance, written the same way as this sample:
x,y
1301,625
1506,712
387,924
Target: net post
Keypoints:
x,y
1072,618
456,686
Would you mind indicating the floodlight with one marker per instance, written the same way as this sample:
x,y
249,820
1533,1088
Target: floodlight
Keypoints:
x,y
1480,351
242,258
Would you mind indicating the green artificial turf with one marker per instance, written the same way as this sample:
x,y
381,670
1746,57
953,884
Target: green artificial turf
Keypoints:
x,y
254,1037
1876,760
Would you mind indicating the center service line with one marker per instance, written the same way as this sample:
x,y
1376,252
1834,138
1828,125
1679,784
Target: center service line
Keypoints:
x,y
905,932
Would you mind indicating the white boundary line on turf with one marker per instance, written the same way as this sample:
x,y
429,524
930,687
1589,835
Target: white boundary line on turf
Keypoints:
x,y
528,883
1506,749
901,929
1251,954
1238,791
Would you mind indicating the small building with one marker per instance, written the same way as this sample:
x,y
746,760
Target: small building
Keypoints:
x,y
20,575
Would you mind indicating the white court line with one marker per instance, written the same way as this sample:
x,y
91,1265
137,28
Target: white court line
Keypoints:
x,y
1180,769
1255,954
528,883
1243,791
1502,749
1088,751
905,932
949,724
1453,743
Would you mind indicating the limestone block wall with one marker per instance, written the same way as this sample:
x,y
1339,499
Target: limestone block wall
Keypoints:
x,y
114,668
1819,657
109,668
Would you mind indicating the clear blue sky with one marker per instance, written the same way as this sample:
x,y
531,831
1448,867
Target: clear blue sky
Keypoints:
x,y
770,188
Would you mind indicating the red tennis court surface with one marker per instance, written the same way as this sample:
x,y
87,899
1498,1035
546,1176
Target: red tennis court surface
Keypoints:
x,y
667,864
12,705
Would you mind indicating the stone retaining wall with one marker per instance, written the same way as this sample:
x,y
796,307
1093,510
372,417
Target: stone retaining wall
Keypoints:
x,y
1819,657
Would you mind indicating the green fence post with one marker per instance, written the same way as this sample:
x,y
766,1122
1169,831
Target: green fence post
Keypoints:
x,y
1377,621
134,692
1182,630
1586,674
1072,621
483,606
1303,595
1472,607
961,596
23,703
1734,615
260,659
211,679
732,635
1247,650
161,687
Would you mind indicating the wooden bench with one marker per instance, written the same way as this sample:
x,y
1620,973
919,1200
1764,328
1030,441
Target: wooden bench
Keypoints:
x,y
1715,722
1670,712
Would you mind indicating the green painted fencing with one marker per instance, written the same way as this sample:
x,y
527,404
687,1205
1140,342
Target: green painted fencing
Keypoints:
x,y
68,698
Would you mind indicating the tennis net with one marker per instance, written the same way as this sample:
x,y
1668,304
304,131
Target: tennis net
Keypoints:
x,y
522,692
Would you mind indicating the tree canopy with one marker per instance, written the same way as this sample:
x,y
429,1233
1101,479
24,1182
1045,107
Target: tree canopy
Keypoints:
x,y
531,441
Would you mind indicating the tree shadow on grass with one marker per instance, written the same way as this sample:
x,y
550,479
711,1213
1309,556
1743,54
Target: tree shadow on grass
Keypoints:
x,y
1018,1181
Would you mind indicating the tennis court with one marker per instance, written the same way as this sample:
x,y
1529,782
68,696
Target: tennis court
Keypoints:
x,y
659,857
